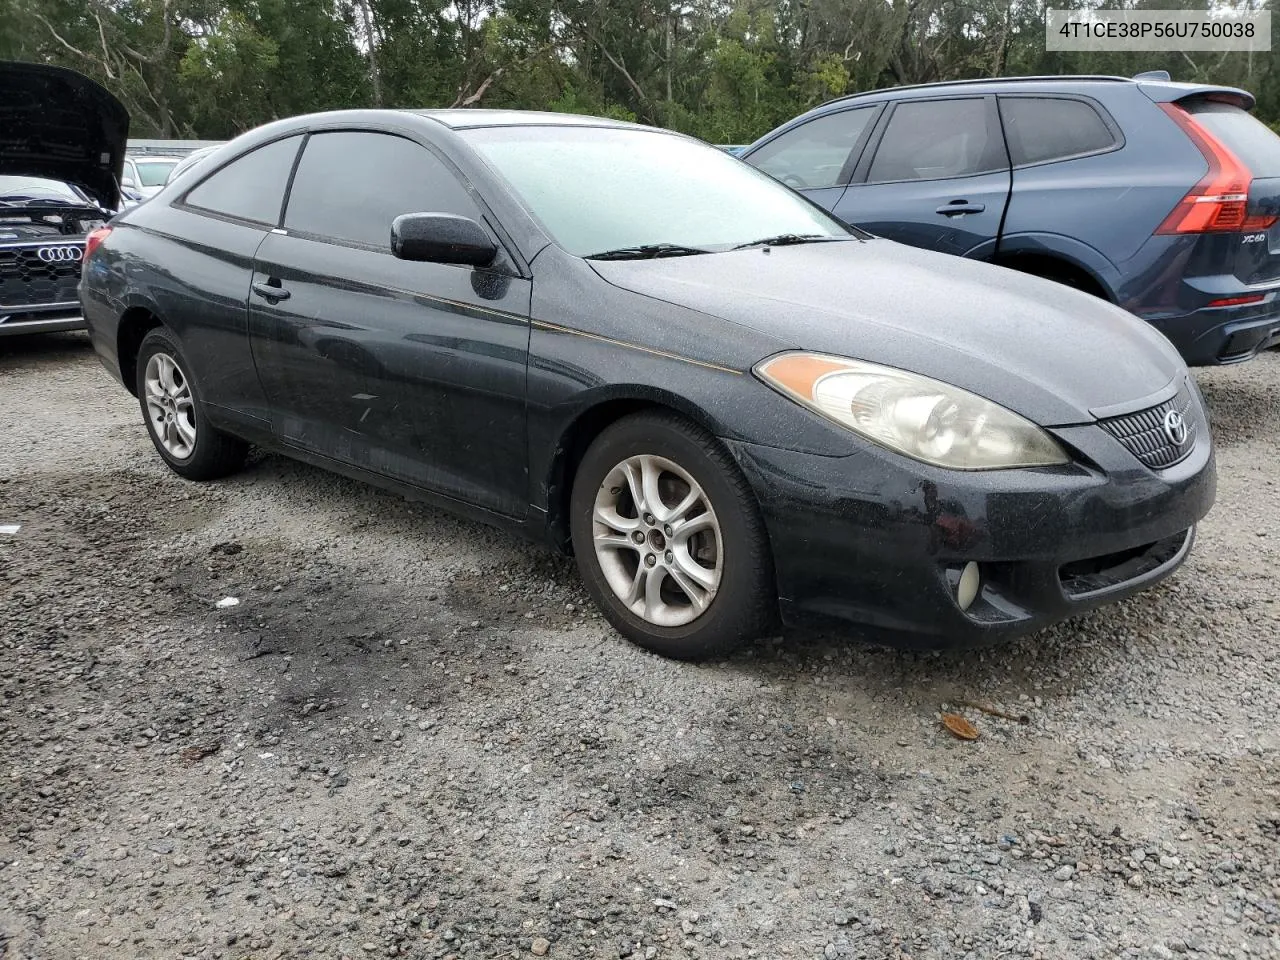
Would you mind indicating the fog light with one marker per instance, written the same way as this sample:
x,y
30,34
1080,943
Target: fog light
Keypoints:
x,y
967,588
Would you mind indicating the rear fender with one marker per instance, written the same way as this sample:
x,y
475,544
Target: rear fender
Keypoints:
x,y
1068,250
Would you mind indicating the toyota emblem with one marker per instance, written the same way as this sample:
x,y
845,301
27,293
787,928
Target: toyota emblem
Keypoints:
x,y
1175,428
62,254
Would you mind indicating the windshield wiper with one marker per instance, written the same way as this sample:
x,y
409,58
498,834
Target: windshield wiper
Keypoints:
x,y
648,251
788,240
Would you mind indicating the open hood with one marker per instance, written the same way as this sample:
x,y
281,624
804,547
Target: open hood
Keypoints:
x,y
59,124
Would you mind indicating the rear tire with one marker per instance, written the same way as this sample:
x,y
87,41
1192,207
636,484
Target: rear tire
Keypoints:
x,y
669,539
173,411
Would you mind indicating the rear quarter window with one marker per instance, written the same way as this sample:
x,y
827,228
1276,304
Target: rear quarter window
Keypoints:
x,y
1251,140
1043,129
251,187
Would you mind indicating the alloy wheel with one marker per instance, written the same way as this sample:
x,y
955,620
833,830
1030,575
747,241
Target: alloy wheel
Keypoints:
x,y
657,540
170,406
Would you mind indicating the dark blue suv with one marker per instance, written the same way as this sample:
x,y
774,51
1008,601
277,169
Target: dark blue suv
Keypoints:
x,y
1161,197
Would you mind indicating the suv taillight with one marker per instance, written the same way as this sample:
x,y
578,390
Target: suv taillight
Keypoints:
x,y
94,240
1219,203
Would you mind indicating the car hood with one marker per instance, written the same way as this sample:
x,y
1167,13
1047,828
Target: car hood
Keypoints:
x,y
59,124
1046,351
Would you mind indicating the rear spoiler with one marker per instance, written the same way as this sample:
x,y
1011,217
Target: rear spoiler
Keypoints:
x,y
1162,91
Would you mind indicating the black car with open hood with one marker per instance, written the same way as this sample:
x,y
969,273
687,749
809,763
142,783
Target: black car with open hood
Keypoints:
x,y
62,146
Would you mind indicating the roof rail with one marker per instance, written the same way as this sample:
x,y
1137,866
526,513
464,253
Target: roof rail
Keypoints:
x,y
979,81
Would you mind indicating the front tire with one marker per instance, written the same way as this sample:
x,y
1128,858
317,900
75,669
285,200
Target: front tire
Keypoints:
x,y
174,414
669,540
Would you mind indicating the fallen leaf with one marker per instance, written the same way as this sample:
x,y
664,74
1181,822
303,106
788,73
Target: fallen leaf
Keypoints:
x,y
959,726
193,755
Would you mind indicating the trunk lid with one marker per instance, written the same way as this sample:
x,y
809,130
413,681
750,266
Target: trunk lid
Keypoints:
x,y
1256,258
59,124
1252,253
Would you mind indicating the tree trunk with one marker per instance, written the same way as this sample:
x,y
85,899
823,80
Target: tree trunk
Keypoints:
x,y
374,75
1002,51
670,44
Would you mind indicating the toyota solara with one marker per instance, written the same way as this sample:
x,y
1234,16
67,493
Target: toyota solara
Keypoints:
x,y
732,409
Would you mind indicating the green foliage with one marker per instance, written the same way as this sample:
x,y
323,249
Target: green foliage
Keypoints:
x,y
726,71
222,74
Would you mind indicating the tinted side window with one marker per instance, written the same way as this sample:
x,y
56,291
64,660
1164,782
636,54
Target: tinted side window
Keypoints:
x,y
350,186
813,154
1048,128
251,187
935,139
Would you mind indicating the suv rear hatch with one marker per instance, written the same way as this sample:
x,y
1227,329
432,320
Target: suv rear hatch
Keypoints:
x,y
1236,204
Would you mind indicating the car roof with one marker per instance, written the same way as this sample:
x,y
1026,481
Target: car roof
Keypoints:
x,y
1156,87
1016,83
467,118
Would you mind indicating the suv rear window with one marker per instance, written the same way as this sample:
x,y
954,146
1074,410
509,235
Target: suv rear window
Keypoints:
x,y
1251,140
1040,129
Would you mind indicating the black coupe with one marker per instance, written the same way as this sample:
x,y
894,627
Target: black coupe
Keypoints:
x,y
726,404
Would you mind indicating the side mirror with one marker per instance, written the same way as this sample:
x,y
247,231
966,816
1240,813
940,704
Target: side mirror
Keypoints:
x,y
128,182
441,238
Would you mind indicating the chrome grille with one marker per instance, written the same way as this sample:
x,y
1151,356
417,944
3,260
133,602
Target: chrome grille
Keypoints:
x,y
26,279
1144,435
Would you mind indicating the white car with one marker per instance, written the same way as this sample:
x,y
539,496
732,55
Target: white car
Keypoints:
x,y
189,161
147,175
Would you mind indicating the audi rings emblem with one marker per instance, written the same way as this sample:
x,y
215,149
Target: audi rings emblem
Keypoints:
x,y
62,254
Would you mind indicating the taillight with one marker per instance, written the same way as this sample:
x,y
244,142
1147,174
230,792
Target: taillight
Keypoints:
x,y
94,240
1219,202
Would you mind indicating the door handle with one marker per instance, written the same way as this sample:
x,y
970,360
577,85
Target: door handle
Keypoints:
x,y
270,293
957,207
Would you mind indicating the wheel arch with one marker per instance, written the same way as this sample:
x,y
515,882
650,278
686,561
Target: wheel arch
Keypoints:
x,y
1057,269
135,323
588,422
1062,259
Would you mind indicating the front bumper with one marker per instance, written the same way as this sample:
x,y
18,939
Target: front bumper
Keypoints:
x,y
878,540
1219,335
17,322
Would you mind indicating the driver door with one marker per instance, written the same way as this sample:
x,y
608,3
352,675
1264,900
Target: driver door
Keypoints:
x,y
411,370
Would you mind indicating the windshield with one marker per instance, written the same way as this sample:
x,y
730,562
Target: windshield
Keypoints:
x,y
597,189
153,173
39,188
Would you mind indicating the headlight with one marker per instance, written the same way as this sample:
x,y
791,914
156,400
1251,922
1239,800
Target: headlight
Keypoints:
x,y
922,418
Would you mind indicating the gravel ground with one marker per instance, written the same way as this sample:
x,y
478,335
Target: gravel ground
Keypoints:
x,y
413,737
